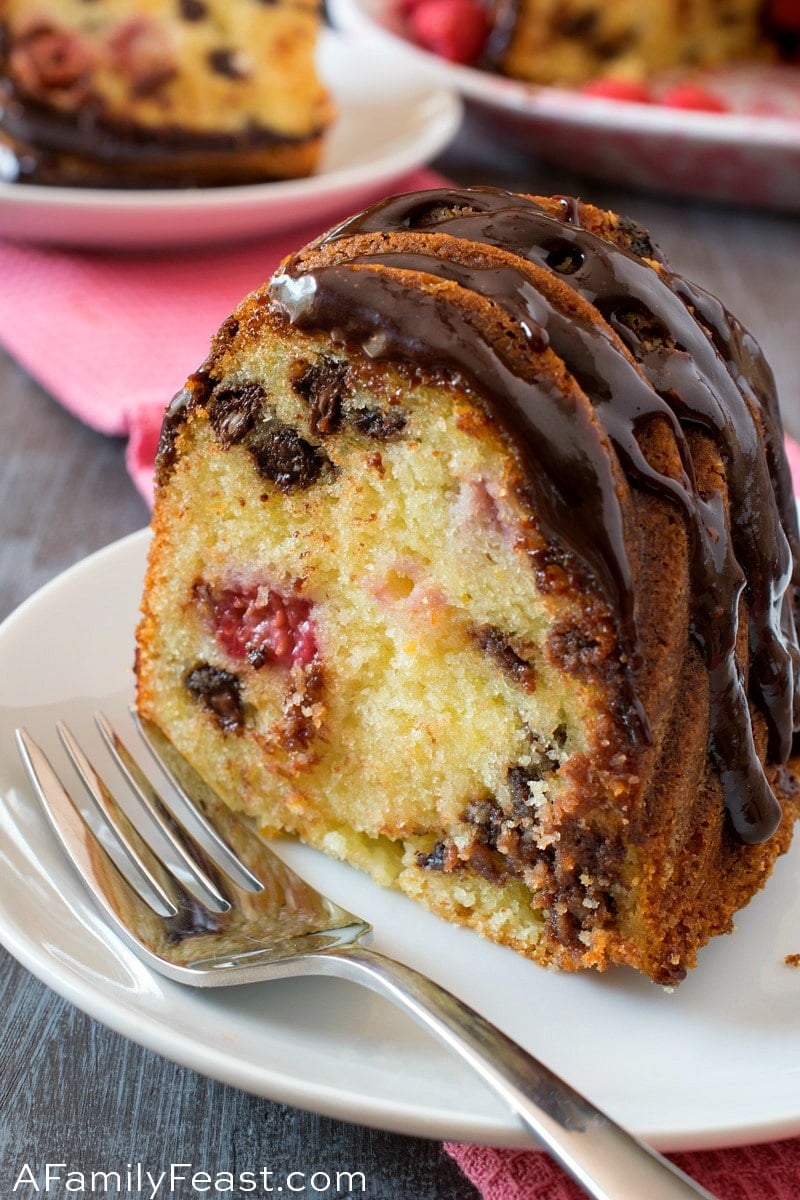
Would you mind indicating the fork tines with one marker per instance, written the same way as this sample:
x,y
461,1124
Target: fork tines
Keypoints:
x,y
174,832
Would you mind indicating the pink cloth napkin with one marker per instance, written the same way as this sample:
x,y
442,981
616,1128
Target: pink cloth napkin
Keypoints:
x,y
768,1172
113,337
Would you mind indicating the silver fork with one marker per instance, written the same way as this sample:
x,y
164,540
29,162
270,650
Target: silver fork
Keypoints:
x,y
201,898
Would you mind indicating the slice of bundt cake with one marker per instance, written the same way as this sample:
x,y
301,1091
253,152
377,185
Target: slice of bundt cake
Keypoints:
x,y
473,566
162,92
548,41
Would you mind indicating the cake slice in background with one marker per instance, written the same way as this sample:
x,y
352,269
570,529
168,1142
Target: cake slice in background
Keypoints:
x,y
546,41
159,92
569,43
473,565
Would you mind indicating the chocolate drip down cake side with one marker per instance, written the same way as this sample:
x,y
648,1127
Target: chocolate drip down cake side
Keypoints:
x,y
473,565
159,93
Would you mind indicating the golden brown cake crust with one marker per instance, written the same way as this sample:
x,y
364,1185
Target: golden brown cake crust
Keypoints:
x,y
635,859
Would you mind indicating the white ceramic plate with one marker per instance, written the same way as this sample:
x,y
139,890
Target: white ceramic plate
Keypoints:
x,y
716,1062
391,118
750,155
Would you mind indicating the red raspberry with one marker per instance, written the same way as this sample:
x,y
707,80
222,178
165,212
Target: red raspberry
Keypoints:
x,y
47,58
689,95
618,89
263,626
784,15
453,29
404,8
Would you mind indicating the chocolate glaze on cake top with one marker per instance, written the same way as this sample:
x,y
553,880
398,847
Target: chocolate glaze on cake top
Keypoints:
x,y
696,369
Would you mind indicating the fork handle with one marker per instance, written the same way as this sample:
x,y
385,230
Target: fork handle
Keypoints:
x,y
604,1159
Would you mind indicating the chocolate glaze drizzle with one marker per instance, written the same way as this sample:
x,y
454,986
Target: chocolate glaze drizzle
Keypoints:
x,y
697,369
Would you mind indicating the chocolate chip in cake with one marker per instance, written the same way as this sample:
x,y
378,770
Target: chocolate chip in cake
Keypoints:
x,y
192,10
233,411
587,867
614,45
195,393
285,458
487,817
488,864
230,63
574,25
498,646
220,692
443,857
377,424
434,861
228,330
518,778
323,385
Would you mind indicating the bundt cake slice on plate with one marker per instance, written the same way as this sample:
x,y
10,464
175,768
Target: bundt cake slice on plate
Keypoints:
x,y
163,93
473,566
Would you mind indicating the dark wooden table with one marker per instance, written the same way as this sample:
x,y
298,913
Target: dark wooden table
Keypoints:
x,y
73,1091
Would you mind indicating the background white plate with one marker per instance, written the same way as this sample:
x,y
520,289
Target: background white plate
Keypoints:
x,y
735,156
716,1062
392,117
